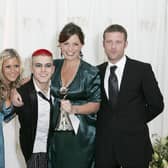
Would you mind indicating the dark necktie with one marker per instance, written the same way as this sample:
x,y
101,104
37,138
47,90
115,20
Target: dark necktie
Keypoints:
x,y
44,97
113,86
51,107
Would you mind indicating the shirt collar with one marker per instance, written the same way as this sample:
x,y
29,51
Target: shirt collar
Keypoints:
x,y
120,64
39,90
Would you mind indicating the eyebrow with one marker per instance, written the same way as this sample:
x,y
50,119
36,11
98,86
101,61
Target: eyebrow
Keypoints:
x,y
40,64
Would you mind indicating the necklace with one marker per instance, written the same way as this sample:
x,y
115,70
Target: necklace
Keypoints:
x,y
63,91
64,88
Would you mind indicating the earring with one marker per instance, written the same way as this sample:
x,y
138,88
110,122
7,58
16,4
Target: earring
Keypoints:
x,y
62,55
81,54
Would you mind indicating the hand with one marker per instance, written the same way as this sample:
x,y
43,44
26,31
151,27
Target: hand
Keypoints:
x,y
66,106
16,99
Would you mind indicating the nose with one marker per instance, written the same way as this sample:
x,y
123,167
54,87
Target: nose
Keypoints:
x,y
13,69
70,48
43,68
113,45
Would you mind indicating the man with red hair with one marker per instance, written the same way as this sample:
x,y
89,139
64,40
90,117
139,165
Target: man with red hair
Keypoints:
x,y
34,114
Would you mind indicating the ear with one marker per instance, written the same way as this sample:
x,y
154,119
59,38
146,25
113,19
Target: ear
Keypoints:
x,y
126,44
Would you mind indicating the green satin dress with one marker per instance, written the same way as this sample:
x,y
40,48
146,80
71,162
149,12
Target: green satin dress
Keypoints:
x,y
65,149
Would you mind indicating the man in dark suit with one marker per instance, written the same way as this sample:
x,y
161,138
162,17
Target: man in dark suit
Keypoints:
x,y
130,99
34,114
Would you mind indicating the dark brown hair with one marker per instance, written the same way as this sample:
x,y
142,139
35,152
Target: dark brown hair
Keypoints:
x,y
115,28
69,30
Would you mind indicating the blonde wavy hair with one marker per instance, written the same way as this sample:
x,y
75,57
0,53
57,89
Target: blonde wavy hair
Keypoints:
x,y
4,55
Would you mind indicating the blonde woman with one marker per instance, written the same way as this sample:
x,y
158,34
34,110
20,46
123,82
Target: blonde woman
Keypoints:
x,y
10,72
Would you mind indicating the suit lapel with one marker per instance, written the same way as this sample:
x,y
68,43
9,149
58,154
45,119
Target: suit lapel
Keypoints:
x,y
125,80
34,104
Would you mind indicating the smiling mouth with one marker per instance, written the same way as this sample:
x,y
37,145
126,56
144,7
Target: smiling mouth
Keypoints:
x,y
13,76
70,54
43,76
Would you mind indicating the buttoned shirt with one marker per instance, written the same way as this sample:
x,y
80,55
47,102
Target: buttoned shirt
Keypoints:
x,y
40,144
119,73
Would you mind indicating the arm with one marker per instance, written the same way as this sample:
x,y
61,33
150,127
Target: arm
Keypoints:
x,y
8,112
6,109
16,100
88,108
93,96
152,93
14,110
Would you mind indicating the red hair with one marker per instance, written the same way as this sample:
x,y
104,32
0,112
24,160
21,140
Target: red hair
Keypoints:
x,y
44,52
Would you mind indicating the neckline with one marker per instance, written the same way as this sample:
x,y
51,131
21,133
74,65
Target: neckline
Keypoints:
x,y
73,78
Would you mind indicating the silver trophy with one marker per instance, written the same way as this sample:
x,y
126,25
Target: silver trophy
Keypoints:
x,y
64,123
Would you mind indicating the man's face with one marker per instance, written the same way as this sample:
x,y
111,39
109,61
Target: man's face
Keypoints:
x,y
114,46
42,69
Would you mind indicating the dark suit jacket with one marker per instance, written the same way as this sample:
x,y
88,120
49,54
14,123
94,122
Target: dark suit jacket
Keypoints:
x,y
139,101
27,115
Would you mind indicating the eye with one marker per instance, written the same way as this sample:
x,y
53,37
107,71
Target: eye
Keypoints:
x,y
118,42
7,66
76,44
17,66
48,65
38,65
108,41
66,43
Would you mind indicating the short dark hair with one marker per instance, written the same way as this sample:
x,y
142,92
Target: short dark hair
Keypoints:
x,y
69,30
115,28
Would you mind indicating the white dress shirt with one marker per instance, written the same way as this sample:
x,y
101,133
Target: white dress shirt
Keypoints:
x,y
119,72
40,143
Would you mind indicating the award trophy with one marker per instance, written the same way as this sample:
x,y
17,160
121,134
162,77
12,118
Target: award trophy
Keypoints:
x,y
64,122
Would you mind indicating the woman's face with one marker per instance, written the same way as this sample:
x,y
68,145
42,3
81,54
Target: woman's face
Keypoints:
x,y
71,48
11,69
